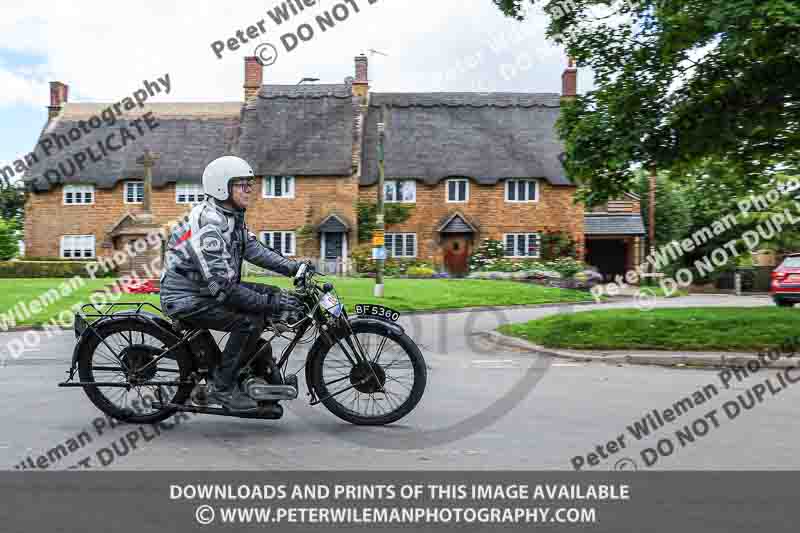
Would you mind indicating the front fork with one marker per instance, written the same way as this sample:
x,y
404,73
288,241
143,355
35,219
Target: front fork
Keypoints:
x,y
360,356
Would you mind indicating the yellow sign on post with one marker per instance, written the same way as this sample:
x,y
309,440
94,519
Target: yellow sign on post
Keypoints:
x,y
377,238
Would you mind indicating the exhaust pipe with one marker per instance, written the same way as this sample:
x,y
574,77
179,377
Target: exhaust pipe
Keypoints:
x,y
260,390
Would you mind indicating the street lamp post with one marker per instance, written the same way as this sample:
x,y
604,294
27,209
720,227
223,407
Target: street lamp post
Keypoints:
x,y
379,250
651,230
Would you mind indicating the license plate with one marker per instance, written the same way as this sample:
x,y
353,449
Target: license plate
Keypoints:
x,y
377,311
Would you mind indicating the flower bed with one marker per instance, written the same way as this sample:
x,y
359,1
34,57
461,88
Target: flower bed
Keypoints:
x,y
489,262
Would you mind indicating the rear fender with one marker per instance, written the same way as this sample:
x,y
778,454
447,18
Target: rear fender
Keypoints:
x,y
143,316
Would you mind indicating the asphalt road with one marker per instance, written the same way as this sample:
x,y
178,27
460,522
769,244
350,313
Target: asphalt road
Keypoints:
x,y
484,408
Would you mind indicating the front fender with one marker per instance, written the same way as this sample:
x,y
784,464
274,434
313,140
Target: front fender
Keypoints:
x,y
393,326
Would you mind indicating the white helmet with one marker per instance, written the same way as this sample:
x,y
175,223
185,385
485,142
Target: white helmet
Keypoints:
x,y
219,173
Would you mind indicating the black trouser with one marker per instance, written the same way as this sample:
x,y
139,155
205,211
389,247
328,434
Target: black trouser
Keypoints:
x,y
245,329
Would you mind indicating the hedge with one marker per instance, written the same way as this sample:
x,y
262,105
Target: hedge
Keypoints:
x,y
47,269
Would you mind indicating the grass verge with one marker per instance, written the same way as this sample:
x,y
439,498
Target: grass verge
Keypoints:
x,y
697,328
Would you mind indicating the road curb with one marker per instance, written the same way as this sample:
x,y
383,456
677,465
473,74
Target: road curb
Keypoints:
x,y
37,327
505,307
652,358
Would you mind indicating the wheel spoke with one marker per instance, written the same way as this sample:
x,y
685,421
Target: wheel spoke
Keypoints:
x,y
380,349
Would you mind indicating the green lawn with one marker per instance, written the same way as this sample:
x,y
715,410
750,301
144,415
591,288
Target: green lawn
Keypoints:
x,y
699,328
26,290
400,294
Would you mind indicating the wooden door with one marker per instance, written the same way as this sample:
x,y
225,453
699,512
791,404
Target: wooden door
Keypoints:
x,y
457,248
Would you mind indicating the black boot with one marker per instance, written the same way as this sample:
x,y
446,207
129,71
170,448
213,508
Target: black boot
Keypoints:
x,y
233,399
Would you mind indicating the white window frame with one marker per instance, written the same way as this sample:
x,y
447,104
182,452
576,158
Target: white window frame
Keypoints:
x,y
290,253
516,182
394,183
390,250
125,191
67,238
528,236
268,187
189,189
447,191
78,189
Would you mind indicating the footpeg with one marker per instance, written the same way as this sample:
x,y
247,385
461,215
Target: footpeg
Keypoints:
x,y
260,390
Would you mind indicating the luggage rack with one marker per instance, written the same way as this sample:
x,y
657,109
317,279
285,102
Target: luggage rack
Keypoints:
x,y
105,309
91,314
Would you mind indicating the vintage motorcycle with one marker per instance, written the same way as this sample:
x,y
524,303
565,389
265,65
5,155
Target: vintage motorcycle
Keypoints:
x,y
137,366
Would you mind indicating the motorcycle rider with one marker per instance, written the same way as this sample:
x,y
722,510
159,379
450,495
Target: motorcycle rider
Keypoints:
x,y
201,281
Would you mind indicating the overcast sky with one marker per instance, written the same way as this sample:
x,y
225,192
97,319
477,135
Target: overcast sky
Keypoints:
x,y
104,50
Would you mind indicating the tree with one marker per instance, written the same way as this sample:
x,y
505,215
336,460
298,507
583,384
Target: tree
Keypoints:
x,y
714,192
8,240
367,217
678,82
12,202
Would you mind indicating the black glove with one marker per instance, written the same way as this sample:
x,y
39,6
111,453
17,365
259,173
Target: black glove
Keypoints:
x,y
288,307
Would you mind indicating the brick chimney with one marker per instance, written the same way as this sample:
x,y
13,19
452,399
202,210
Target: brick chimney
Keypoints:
x,y
361,83
569,80
59,94
253,77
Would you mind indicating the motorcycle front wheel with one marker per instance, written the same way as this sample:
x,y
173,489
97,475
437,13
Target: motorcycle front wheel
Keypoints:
x,y
374,394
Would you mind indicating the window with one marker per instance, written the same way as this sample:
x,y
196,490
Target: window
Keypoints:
x,y
400,191
282,241
401,244
791,262
77,246
522,245
278,187
522,191
189,193
457,190
134,192
78,194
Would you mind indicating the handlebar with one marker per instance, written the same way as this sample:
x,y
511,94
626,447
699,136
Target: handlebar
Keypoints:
x,y
301,271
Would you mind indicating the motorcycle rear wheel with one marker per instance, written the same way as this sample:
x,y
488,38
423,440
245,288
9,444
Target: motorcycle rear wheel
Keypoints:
x,y
124,349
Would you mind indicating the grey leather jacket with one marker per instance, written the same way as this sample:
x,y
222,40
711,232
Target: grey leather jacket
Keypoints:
x,y
203,263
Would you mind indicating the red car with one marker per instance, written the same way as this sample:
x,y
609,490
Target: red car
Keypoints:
x,y
785,286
